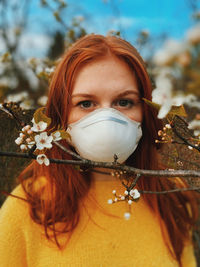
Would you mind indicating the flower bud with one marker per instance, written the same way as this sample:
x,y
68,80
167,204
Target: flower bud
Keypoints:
x,y
29,132
126,192
23,147
110,201
130,202
127,215
18,141
22,135
27,127
28,140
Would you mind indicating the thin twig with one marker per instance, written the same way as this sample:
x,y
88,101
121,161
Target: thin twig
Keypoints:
x,y
9,111
179,143
68,151
186,142
135,181
181,159
170,191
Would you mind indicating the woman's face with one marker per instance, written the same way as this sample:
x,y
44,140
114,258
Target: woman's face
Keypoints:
x,y
105,83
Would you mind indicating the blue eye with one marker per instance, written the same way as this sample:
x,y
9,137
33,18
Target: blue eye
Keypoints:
x,y
125,103
85,104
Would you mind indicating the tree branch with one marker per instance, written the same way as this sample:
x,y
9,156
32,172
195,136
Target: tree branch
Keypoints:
x,y
108,165
170,191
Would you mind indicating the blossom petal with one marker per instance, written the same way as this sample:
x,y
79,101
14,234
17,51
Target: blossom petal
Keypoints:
x,y
42,159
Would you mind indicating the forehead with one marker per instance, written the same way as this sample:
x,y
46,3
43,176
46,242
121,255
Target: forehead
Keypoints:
x,y
107,75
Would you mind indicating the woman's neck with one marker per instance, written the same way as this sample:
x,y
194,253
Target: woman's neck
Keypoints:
x,y
101,174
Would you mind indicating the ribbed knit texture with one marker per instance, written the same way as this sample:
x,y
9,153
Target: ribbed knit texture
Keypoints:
x,y
102,240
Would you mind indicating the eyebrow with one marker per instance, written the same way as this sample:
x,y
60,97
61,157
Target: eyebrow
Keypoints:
x,y
128,92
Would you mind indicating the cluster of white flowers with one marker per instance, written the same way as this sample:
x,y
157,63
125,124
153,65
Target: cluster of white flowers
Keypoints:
x,y
129,197
22,97
180,51
36,135
170,62
40,66
8,82
163,94
171,49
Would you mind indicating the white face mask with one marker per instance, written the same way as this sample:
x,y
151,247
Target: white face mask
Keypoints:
x,y
103,133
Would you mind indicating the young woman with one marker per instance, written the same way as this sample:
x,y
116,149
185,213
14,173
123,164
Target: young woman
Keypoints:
x,y
96,95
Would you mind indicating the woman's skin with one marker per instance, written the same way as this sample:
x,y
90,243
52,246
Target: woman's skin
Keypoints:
x,y
105,83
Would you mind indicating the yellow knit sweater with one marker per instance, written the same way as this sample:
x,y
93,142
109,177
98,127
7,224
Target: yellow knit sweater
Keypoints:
x,y
104,240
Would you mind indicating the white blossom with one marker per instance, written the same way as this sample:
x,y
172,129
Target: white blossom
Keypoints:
x,y
42,158
30,144
10,82
163,95
161,57
110,201
114,192
126,192
27,104
42,100
130,202
56,136
168,126
43,140
127,215
49,70
194,124
38,127
134,193
197,132
122,197
17,97
170,50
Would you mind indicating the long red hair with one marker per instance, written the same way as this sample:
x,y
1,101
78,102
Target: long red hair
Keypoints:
x,y
67,186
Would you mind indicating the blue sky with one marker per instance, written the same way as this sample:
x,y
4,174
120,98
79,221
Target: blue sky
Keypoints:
x,y
172,17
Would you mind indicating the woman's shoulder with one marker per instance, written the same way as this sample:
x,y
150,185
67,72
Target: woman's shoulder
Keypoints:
x,y
15,206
